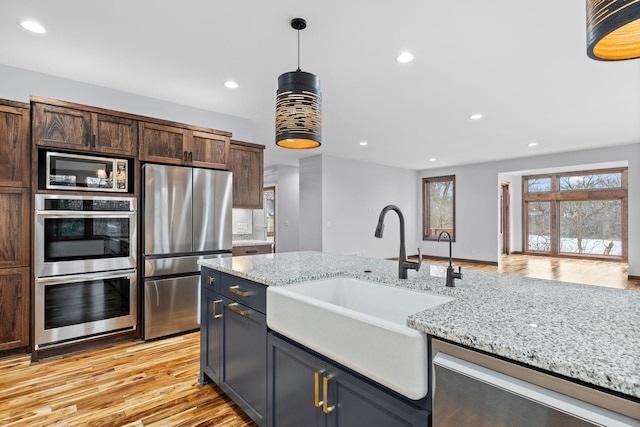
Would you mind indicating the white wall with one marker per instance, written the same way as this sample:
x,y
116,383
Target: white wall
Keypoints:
x,y
311,198
353,194
287,182
18,84
477,187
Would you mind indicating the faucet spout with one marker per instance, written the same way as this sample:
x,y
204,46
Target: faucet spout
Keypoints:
x,y
403,264
451,275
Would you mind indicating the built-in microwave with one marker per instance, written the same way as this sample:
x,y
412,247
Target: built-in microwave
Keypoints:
x,y
65,171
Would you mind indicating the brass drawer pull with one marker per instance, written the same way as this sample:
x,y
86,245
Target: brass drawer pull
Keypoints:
x,y
234,307
236,290
215,311
316,392
325,391
210,279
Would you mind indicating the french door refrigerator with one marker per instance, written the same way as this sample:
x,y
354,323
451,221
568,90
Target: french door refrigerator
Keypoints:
x,y
186,217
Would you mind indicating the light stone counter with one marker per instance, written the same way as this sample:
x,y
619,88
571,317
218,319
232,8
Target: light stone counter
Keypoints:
x,y
589,333
241,242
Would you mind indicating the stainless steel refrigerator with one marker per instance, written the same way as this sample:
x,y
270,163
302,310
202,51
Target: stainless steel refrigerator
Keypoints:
x,y
186,217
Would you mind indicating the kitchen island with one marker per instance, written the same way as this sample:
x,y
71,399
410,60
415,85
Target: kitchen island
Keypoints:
x,y
584,333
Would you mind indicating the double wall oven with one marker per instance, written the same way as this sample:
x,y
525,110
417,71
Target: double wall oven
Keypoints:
x,y
85,267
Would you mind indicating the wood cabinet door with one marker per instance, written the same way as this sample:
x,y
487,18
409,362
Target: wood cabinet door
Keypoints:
x,y
61,127
208,150
15,216
114,135
246,163
14,308
14,147
162,144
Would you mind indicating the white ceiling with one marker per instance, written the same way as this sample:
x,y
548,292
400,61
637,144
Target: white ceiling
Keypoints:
x,y
523,65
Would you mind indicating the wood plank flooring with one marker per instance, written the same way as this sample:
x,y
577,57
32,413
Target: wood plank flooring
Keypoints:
x,y
156,383
129,384
588,272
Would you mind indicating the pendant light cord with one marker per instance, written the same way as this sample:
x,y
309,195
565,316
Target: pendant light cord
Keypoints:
x,y
298,51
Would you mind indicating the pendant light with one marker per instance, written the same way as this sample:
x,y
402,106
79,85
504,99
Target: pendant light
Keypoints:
x,y
613,29
298,105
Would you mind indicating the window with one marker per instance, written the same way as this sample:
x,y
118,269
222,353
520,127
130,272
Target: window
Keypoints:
x,y
438,197
578,213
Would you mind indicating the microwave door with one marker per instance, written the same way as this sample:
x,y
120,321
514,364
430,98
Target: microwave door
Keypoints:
x,y
167,209
212,204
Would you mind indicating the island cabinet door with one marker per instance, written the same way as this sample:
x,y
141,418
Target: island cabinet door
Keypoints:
x,y
294,392
307,390
244,359
210,336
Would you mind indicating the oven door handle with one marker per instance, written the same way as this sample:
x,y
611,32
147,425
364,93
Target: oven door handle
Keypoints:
x,y
72,278
85,214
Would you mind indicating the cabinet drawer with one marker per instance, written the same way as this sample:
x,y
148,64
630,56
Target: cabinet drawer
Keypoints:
x,y
211,279
251,250
245,292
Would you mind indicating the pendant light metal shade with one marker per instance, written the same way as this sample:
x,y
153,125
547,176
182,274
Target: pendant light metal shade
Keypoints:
x,y
613,29
298,105
298,110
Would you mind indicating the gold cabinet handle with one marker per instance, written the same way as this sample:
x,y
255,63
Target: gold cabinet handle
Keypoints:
x,y
234,307
210,279
316,392
236,290
215,310
325,391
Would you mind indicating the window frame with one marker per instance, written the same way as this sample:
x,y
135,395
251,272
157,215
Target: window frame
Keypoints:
x,y
556,195
425,206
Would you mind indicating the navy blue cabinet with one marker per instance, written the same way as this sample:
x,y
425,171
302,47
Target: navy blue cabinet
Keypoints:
x,y
233,334
307,390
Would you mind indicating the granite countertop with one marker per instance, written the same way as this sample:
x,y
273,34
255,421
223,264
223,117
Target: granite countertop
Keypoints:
x,y
238,243
589,333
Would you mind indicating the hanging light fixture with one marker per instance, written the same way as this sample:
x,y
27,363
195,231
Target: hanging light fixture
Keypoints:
x,y
298,105
613,29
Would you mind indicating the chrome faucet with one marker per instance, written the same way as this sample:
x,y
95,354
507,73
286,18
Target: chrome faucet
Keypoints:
x,y
451,275
403,264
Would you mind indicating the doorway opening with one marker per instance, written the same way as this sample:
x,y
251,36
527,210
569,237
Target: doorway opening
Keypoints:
x,y
269,195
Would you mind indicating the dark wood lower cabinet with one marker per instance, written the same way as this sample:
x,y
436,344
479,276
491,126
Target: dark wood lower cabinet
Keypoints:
x,y
14,308
308,390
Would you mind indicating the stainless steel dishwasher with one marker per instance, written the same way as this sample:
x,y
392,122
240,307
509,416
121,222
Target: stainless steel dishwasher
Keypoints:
x,y
476,390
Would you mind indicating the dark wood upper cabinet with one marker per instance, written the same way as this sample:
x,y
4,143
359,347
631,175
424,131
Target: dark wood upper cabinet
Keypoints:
x,y
75,129
209,150
246,161
114,135
14,147
180,146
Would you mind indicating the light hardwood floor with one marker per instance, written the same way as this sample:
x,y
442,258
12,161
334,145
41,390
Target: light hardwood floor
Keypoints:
x,y
156,383
588,272
129,384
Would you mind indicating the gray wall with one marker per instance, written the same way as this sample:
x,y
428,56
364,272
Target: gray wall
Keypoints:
x,y
311,207
353,194
17,85
287,182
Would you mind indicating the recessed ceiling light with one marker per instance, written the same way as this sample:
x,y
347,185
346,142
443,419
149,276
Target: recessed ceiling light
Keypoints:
x,y
532,144
476,116
404,57
364,143
433,159
231,84
32,26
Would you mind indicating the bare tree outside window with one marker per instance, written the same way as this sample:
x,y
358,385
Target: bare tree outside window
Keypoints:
x,y
581,213
438,206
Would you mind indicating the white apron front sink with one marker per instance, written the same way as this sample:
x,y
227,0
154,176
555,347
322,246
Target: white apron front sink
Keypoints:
x,y
359,324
